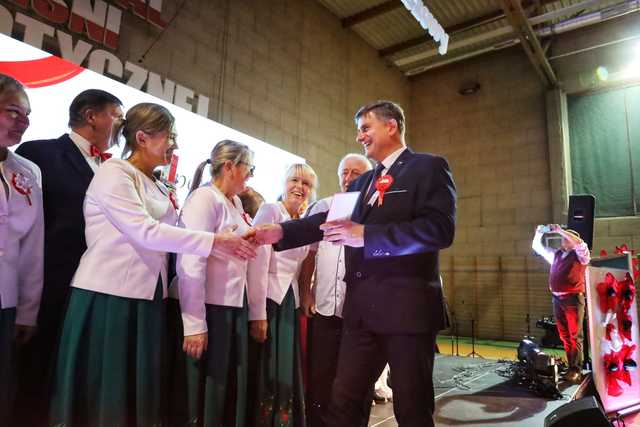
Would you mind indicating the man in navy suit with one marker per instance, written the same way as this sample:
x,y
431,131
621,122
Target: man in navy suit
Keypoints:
x,y
68,164
394,305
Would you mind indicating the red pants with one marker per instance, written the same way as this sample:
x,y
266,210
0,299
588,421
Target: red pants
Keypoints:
x,y
569,313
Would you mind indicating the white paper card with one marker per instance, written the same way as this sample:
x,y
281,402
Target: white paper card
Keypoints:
x,y
342,205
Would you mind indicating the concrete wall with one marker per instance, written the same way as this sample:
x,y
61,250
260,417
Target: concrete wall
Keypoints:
x,y
500,143
284,71
495,141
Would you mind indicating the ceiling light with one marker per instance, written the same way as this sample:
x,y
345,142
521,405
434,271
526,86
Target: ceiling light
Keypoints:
x,y
602,73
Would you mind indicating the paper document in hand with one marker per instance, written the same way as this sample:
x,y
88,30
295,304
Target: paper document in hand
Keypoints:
x,y
342,205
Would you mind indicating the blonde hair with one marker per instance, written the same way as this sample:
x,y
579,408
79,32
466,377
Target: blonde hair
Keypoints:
x,y
148,117
298,169
224,151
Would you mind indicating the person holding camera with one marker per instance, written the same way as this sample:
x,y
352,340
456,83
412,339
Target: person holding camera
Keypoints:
x,y
567,285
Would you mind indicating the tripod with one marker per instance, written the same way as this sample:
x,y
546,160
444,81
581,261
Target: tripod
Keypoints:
x,y
473,353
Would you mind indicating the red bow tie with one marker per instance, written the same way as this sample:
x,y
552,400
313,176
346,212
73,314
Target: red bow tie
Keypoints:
x,y
95,152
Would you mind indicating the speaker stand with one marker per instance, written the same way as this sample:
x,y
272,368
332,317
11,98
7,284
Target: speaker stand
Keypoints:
x,y
473,353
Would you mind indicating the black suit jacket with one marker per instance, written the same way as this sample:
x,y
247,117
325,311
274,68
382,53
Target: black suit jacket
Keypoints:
x,y
65,179
393,281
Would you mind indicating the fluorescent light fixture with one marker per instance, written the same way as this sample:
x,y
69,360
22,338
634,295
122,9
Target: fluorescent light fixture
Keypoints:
x,y
429,23
602,73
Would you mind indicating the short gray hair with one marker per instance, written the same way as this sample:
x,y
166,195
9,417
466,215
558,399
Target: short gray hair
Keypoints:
x,y
358,156
10,85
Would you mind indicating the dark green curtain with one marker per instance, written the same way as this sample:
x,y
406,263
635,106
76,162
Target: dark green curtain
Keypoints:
x,y
633,115
605,149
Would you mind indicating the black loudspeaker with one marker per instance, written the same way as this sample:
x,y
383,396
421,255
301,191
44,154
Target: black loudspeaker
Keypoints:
x,y
579,413
582,209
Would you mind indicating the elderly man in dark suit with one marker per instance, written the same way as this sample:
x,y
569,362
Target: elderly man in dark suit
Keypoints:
x,y
394,304
68,164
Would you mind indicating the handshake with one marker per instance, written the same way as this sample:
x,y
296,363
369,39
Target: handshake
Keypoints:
x,y
227,243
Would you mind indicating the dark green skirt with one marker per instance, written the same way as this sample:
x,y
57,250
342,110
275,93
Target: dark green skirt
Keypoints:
x,y
213,389
7,328
109,371
280,395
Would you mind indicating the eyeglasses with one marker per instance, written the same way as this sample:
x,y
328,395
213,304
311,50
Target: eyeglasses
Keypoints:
x,y
172,139
252,168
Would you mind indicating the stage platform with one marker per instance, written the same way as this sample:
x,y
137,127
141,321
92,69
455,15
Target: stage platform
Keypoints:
x,y
472,392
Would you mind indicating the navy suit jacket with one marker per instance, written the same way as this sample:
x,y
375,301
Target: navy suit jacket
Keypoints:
x,y
393,284
65,179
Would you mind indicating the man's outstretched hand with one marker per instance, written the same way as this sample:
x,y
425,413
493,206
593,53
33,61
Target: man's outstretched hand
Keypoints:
x,y
264,234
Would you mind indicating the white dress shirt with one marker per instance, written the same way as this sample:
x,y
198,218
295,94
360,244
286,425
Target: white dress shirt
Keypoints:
x,y
271,273
329,287
21,238
387,163
129,228
219,280
85,148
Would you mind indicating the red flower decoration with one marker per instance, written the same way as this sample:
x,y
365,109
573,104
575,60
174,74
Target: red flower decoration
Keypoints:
x,y
382,184
284,416
610,327
625,355
617,367
174,201
622,249
608,293
612,367
247,218
624,324
627,292
22,185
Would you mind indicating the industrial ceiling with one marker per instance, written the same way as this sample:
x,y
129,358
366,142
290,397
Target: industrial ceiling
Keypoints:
x,y
475,27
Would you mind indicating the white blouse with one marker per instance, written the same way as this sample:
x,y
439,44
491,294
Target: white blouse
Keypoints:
x,y
220,279
21,238
271,273
129,228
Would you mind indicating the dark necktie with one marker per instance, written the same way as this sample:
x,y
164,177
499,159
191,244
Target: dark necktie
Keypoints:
x,y
372,186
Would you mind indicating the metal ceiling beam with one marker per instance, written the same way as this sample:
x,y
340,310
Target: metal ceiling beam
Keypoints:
x,y
571,24
529,40
371,13
461,27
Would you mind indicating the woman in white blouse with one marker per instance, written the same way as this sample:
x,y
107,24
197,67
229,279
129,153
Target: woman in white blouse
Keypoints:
x,y
110,363
21,235
273,276
213,292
